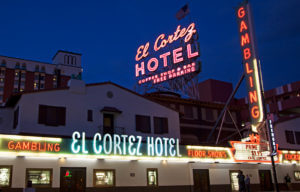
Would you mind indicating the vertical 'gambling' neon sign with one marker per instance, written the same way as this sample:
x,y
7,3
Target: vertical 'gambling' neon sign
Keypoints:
x,y
250,63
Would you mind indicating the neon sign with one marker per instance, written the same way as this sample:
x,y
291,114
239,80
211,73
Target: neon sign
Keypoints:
x,y
171,64
250,63
33,146
68,174
251,151
290,157
130,147
125,145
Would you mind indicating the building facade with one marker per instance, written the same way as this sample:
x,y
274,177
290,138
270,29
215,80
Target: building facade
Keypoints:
x,y
103,137
18,75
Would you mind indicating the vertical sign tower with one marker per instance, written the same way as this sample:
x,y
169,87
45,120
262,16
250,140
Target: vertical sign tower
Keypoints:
x,y
253,77
250,62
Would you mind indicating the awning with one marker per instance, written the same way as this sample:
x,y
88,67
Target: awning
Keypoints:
x,y
111,110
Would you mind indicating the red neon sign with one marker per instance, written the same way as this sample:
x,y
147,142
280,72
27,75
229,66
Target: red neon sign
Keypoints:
x,y
250,151
250,62
211,154
33,146
171,63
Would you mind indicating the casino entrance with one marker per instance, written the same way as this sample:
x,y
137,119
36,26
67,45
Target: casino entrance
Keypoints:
x,y
265,180
201,180
72,179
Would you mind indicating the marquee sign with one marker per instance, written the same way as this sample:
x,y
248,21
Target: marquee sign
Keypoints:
x,y
250,62
170,63
251,151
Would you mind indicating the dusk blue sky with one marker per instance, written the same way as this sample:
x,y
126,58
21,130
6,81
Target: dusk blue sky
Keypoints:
x,y
108,33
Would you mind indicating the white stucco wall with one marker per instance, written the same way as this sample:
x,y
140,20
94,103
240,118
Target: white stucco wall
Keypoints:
x,y
6,122
94,98
169,173
280,128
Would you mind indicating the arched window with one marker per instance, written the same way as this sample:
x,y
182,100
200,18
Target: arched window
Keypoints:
x,y
66,59
73,60
69,59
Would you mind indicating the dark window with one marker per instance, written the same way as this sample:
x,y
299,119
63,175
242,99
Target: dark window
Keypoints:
x,y
16,118
209,114
2,72
286,97
297,134
73,60
90,115
160,125
53,116
188,111
37,68
142,123
289,137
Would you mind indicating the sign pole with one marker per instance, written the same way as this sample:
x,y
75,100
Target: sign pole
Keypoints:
x,y
268,127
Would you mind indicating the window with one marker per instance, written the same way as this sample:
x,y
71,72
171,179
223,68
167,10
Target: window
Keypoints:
x,y
297,175
289,135
142,123
2,72
73,60
188,111
5,176
152,177
1,88
3,63
297,134
209,114
65,59
160,125
90,115
17,66
36,77
234,180
16,118
104,178
42,77
23,74
53,116
39,177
